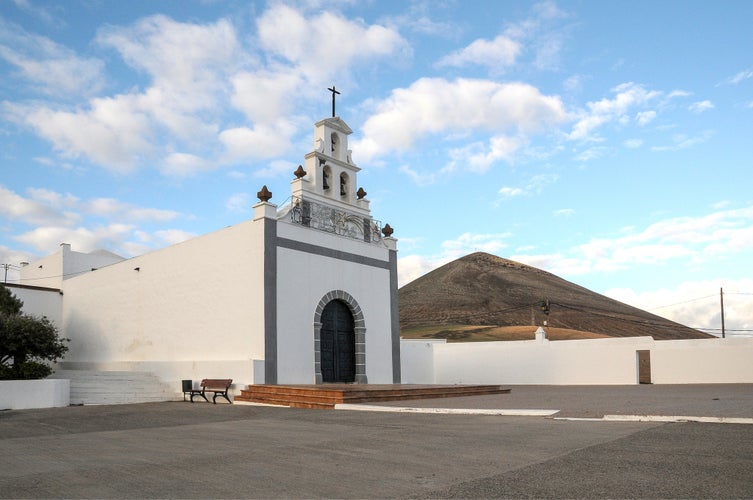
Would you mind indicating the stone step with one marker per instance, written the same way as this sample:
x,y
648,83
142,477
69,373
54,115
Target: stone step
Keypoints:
x,y
329,395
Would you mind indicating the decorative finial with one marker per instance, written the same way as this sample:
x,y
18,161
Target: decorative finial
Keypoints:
x,y
334,91
361,193
387,231
299,172
265,194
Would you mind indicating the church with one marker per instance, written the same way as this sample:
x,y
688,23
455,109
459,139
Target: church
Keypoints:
x,y
302,293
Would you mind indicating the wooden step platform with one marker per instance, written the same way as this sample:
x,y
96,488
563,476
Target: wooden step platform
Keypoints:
x,y
326,396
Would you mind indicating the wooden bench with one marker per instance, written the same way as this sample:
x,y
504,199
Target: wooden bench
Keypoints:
x,y
217,386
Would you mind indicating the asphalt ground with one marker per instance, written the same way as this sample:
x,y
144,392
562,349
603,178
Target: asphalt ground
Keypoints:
x,y
704,400
184,450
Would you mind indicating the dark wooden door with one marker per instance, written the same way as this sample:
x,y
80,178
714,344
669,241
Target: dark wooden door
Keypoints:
x,y
644,367
338,343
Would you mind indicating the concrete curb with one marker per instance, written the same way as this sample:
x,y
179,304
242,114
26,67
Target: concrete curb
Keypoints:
x,y
448,411
661,419
678,418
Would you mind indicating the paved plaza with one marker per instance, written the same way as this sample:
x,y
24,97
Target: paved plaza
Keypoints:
x,y
184,450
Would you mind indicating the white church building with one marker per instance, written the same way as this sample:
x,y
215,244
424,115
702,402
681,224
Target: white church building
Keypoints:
x,y
303,293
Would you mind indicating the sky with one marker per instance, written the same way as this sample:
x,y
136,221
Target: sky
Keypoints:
x,y
609,143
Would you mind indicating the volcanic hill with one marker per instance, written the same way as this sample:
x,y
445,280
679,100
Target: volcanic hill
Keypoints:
x,y
485,297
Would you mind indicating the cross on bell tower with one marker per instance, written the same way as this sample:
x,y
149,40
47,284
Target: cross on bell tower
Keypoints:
x,y
334,91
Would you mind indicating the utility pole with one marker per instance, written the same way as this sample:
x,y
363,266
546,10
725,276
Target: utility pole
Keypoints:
x,y
9,266
721,300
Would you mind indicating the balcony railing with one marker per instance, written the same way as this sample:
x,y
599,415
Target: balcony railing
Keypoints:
x,y
334,220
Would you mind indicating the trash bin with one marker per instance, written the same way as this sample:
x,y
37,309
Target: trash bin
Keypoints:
x,y
187,386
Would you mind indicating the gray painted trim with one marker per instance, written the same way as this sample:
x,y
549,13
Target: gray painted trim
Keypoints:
x,y
360,334
332,253
395,319
270,301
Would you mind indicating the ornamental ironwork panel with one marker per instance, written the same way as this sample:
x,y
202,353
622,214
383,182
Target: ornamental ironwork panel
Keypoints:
x,y
334,220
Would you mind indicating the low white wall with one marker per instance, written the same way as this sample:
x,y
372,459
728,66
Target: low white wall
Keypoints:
x,y
578,362
417,361
712,361
24,394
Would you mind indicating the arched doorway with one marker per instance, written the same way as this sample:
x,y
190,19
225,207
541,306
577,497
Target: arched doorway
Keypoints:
x,y
338,344
341,302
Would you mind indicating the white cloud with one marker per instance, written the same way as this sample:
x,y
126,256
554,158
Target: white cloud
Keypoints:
x,y
184,119
310,44
188,66
265,95
414,266
185,165
112,133
259,142
49,67
419,178
117,210
510,192
564,212
173,236
86,224
679,93
185,61
633,143
574,83
433,105
37,209
238,203
689,241
480,156
698,304
589,154
497,54
535,35
535,185
47,238
682,141
645,117
276,168
599,113
470,242
557,263
739,77
700,106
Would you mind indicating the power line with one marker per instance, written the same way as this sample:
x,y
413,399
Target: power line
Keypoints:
x,y
698,298
683,302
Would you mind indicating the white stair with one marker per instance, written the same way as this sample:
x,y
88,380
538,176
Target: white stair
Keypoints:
x,y
115,387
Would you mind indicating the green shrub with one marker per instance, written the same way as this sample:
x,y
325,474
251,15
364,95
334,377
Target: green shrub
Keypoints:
x,y
26,341
29,370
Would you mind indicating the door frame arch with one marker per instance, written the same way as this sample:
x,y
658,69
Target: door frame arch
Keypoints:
x,y
360,334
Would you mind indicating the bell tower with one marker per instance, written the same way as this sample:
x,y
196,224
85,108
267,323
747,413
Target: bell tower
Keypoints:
x,y
330,177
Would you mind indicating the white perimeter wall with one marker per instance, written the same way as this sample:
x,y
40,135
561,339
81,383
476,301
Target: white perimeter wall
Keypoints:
x,y
702,361
303,280
577,362
198,303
